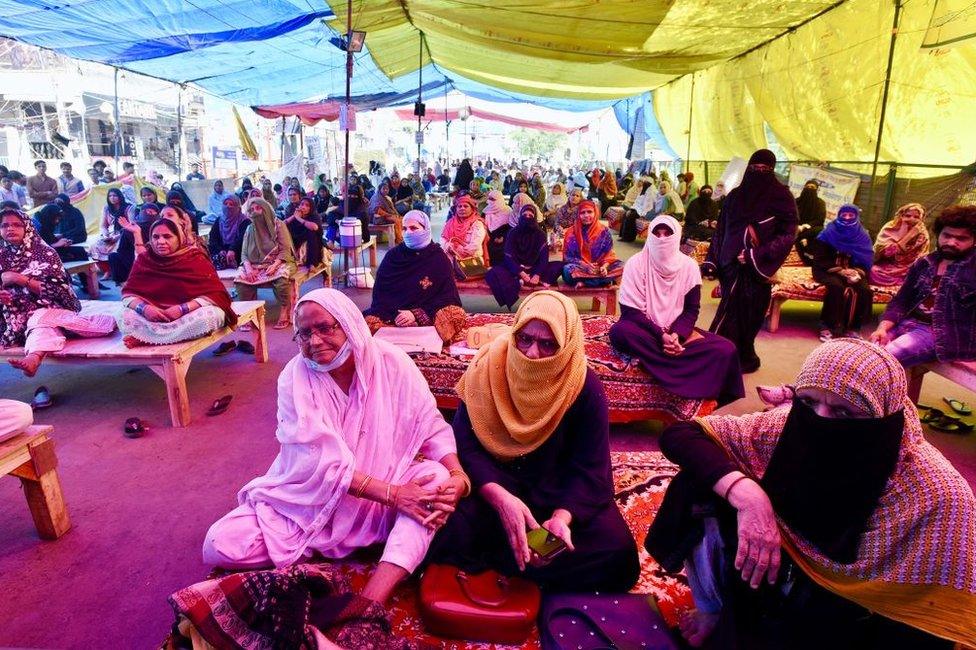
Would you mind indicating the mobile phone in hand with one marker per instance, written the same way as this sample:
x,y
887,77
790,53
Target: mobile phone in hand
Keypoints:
x,y
545,544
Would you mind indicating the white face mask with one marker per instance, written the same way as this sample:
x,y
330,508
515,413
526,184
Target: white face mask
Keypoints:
x,y
340,358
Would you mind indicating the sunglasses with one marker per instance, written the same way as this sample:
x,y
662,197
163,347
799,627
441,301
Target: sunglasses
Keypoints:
x,y
524,341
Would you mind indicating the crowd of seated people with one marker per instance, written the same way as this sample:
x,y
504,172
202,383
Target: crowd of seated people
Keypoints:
x,y
779,520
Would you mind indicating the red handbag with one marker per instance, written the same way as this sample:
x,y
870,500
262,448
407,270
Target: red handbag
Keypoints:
x,y
477,607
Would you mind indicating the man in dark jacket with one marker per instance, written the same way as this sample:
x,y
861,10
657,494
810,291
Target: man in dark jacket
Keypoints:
x,y
933,315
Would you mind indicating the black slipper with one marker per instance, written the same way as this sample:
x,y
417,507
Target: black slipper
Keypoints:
x,y
134,428
225,348
220,405
246,347
42,398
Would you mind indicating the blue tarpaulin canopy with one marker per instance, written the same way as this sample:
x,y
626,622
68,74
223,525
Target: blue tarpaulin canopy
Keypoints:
x,y
250,53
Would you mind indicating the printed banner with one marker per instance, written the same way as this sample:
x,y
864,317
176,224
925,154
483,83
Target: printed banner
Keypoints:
x,y
836,188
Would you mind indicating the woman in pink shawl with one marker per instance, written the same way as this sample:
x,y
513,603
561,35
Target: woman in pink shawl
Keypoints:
x,y
353,414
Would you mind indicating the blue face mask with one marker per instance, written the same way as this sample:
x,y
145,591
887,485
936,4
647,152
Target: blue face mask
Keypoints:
x,y
417,239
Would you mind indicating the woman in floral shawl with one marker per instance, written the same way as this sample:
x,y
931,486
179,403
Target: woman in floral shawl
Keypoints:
x,y
900,242
31,277
588,251
35,294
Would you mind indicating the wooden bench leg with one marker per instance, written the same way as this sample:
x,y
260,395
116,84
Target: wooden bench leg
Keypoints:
x,y
173,373
595,304
915,376
42,488
91,280
260,336
611,303
775,307
372,256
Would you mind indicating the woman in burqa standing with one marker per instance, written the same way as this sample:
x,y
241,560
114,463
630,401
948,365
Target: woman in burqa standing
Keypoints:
x,y
756,230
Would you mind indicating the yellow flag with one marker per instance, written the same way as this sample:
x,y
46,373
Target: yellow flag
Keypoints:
x,y
247,144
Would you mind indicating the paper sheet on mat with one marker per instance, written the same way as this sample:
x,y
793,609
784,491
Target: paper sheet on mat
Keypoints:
x,y
412,339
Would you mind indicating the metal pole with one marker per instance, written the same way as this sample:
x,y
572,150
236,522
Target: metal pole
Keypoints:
x,y
179,132
117,140
344,177
282,140
420,91
884,97
691,111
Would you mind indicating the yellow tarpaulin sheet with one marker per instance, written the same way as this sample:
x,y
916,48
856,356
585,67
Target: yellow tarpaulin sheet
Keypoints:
x,y
820,89
587,49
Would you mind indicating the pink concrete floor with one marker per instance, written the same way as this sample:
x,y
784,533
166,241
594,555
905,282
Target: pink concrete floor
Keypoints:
x,y
140,508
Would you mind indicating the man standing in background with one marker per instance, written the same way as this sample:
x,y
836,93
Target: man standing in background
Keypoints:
x,y
41,187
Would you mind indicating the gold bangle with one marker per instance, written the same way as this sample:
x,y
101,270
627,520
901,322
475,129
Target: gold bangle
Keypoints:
x,y
465,478
362,486
389,487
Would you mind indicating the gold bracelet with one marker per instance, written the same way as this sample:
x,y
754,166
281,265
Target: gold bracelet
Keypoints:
x,y
465,478
362,487
389,486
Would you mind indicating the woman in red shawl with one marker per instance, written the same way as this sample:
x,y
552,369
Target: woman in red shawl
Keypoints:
x,y
173,293
588,251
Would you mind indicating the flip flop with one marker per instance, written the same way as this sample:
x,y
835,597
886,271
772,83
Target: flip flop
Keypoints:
x,y
948,425
134,428
281,326
933,415
220,405
225,348
245,347
42,398
958,406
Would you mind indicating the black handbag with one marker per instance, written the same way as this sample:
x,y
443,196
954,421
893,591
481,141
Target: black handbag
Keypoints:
x,y
603,622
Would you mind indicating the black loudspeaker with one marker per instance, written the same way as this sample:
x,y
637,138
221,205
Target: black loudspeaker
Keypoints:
x,y
419,109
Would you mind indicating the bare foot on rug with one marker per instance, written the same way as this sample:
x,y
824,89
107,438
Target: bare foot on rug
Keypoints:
x,y
775,395
132,342
697,626
29,364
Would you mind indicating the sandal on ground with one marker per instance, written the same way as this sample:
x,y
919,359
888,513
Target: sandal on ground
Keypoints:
x,y
42,398
935,415
245,327
245,347
225,348
220,405
826,335
282,325
134,428
958,406
951,425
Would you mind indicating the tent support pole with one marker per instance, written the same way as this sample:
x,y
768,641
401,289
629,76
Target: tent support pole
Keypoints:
x,y
420,92
179,131
691,113
884,100
282,140
117,140
344,176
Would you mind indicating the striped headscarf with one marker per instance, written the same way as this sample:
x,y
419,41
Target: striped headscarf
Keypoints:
x,y
916,561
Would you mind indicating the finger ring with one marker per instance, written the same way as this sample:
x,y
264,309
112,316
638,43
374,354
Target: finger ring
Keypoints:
x,y
429,507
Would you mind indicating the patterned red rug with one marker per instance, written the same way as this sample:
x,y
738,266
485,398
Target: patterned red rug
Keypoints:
x,y
640,479
631,394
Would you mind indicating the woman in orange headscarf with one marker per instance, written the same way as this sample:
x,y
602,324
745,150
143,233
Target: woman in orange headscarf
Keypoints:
x,y
533,436
588,251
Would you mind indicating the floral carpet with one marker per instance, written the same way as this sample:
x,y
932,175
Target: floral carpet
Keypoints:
x,y
640,479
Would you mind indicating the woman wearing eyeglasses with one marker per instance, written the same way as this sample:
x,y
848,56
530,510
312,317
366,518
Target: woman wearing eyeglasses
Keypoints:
x,y
533,434
353,415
